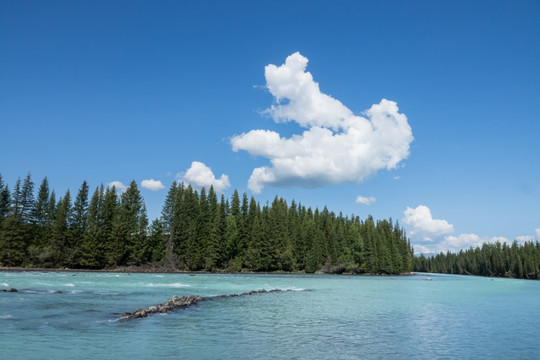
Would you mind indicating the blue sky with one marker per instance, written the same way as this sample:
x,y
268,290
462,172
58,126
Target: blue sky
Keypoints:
x,y
426,110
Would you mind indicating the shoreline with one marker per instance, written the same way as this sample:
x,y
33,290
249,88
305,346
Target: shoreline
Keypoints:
x,y
164,270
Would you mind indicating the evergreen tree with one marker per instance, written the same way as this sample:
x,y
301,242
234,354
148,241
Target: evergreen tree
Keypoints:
x,y
16,208
92,254
370,248
156,242
37,251
41,216
253,259
27,200
170,222
216,249
111,229
79,218
14,234
60,237
4,200
132,226
198,241
244,229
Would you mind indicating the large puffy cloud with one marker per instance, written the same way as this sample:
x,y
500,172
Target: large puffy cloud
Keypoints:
x,y
152,184
200,175
337,147
422,226
537,234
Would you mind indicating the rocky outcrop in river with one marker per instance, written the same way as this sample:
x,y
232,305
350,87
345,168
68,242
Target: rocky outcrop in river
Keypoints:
x,y
8,290
183,302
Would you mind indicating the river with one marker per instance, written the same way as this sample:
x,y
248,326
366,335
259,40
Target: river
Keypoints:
x,y
75,315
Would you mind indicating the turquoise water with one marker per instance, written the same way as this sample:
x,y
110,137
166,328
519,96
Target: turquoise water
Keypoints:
x,y
325,317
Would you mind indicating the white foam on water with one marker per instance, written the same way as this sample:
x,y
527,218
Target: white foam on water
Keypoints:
x,y
174,285
69,284
110,275
109,320
5,317
292,288
5,284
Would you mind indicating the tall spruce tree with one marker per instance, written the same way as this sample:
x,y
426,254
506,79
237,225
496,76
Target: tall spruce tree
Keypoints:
x,y
41,232
110,235
4,200
79,218
61,238
92,254
132,226
42,204
216,249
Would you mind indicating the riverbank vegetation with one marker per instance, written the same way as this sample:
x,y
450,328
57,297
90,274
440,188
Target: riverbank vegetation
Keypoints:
x,y
197,231
500,260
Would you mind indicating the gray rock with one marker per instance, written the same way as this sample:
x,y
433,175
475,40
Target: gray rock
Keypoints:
x,y
9,290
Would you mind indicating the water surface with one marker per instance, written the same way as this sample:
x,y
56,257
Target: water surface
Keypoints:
x,y
324,317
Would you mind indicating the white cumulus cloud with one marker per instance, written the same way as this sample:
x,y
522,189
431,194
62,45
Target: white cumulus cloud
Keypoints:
x,y
423,226
118,185
365,200
524,238
537,234
152,184
463,241
337,147
200,175
421,249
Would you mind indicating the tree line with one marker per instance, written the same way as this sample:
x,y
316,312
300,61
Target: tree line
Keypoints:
x,y
197,230
501,260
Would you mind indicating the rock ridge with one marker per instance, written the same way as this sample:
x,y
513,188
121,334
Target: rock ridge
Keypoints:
x,y
182,302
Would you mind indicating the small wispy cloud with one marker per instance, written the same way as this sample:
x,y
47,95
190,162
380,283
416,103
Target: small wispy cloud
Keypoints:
x,y
524,238
118,186
365,200
153,185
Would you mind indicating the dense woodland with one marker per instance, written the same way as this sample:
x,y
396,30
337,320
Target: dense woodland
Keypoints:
x,y
197,231
520,261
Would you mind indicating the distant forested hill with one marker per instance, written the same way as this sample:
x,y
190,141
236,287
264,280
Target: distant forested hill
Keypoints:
x,y
519,261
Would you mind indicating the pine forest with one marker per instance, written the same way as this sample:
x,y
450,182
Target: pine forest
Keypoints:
x,y
201,231
197,231
498,260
